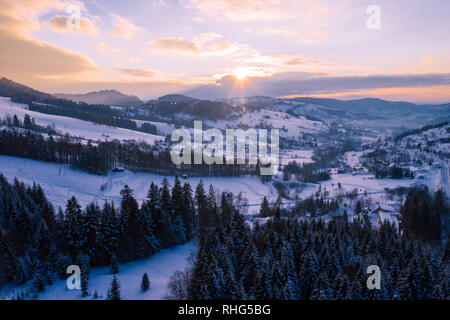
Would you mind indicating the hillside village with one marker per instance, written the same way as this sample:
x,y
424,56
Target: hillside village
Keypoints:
x,y
330,171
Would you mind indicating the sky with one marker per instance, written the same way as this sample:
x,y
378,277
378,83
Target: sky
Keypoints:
x,y
393,49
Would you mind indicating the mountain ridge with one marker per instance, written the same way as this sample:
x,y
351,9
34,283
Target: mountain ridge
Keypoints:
x,y
107,97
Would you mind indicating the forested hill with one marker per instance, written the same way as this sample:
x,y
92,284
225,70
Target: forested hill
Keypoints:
x,y
38,244
107,97
47,103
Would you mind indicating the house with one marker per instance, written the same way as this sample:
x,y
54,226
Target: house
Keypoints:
x,y
382,209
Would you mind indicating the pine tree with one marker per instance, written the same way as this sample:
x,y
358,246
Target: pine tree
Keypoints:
x,y
162,221
73,227
202,208
90,229
83,261
178,215
38,283
114,264
265,210
114,290
149,243
107,234
358,208
441,214
189,211
145,283
131,228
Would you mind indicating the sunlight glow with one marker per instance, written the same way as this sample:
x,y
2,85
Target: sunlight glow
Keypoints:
x,y
242,73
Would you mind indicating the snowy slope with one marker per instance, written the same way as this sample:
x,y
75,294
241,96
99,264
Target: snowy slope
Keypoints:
x,y
299,156
60,182
162,127
352,158
75,127
159,268
362,182
290,127
436,140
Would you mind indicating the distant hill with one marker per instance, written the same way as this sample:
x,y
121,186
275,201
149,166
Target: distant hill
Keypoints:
x,y
174,98
372,112
372,108
108,97
9,88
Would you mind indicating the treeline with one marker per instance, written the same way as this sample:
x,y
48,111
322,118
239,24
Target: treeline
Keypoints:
x,y
426,217
322,158
308,172
98,159
292,259
37,243
394,172
419,131
314,206
202,109
27,124
95,113
46,103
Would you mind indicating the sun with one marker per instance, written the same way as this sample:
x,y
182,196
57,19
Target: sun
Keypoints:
x,y
241,73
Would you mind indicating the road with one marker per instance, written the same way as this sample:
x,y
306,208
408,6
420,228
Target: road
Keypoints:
x,y
445,178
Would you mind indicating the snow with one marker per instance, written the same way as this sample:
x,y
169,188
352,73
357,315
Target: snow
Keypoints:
x,y
75,127
162,127
388,217
352,158
434,139
299,156
159,268
60,182
362,182
289,126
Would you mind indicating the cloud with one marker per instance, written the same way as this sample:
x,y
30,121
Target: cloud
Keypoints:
x,y
176,44
24,58
295,61
123,28
304,83
104,48
242,10
279,63
204,44
143,73
59,24
431,61
429,94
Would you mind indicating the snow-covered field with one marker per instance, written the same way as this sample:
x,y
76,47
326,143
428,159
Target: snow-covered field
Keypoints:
x,y
363,182
162,127
289,126
352,158
75,127
299,156
159,268
60,182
